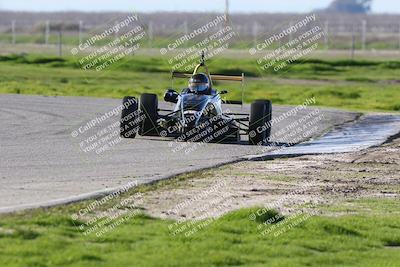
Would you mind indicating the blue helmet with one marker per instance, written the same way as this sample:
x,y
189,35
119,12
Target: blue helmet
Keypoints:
x,y
199,83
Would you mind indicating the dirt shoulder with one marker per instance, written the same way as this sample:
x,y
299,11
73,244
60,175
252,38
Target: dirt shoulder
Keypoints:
x,y
284,184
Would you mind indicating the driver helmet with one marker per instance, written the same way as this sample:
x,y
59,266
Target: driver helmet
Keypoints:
x,y
199,83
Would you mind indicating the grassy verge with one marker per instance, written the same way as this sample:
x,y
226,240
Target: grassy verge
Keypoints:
x,y
310,69
55,76
50,237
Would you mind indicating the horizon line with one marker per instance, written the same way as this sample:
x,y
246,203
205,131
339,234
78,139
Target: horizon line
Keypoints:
x,y
204,12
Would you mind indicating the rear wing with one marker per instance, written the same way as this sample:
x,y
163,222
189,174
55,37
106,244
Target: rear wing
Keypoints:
x,y
176,74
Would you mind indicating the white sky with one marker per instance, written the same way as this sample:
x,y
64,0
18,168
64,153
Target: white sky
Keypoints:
x,y
379,6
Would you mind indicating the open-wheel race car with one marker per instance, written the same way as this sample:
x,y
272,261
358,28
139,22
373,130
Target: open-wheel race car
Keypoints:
x,y
198,115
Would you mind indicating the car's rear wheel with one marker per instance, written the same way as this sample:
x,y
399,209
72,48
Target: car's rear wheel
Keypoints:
x,y
260,119
149,109
129,114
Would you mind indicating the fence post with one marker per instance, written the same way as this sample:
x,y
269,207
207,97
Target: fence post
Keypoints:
x,y
399,36
353,42
80,37
364,34
150,34
47,32
60,42
326,35
255,33
13,32
115,33
186,30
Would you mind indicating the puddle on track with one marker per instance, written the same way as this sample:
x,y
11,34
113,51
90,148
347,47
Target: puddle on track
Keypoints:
x,y
368,131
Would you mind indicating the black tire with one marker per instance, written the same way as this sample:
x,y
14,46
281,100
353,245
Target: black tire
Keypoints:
x,y
260,118
149,108
129,114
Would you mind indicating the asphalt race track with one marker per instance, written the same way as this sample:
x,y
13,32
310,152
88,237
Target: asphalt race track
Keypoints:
x,y
42,162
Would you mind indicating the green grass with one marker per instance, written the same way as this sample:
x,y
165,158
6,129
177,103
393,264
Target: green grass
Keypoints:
x,y
135,75
49,237
310,69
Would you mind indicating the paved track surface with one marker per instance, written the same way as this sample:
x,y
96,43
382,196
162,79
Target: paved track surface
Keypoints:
x,y
42,164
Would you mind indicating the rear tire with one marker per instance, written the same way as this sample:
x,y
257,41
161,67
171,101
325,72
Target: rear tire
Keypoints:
x,y
129,114
149,108
259,125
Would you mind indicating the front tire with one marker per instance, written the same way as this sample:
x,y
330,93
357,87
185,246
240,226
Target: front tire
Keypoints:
x,y
129,114
149,108
260,119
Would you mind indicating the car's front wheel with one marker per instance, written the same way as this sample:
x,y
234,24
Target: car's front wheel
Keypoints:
x,y
260,122
149,109
129,114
